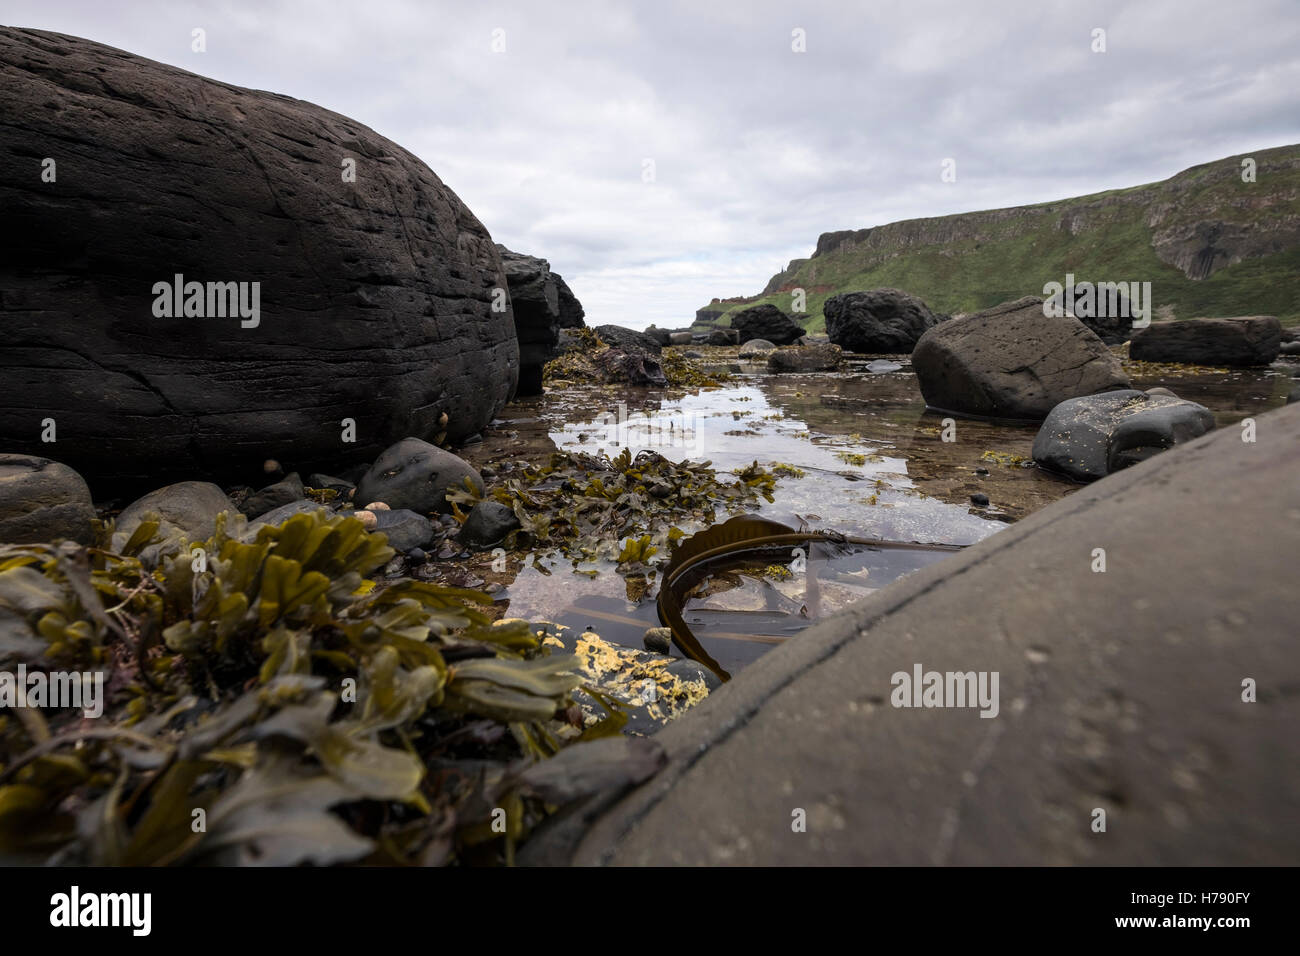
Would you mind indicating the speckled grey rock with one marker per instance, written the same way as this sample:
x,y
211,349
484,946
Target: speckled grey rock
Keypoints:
x,y
43,500
416,475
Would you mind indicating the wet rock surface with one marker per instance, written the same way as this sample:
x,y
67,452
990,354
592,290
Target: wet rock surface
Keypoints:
x,y
767,322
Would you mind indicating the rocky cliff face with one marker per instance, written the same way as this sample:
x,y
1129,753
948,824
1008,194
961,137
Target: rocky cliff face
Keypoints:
x,y
368,283
1204,222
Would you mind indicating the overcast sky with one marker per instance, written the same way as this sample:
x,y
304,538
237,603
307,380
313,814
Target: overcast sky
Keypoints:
x,y
757,149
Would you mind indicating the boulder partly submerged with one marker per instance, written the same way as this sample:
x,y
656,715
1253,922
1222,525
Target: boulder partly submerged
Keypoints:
x,y
1012,361
1157,692
374,282
1087,438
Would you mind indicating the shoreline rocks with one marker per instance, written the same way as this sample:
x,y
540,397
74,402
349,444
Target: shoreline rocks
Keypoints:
x,y
1012,361
543,304
416,476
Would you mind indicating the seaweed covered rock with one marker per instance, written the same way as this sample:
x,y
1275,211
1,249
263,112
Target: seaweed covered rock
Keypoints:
x,y
628,357
43,500
221,275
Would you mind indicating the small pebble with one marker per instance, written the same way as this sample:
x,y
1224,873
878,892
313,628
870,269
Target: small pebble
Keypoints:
x,y
377,506
980,499
981,471
417,556
659,640
367,518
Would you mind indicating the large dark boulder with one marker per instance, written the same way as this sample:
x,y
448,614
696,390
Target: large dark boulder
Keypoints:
x,y
1245,341
1012,361
878,321
1089,437
767,322
543,305
375,296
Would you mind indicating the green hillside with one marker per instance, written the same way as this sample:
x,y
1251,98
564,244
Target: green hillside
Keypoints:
x,y
1209,244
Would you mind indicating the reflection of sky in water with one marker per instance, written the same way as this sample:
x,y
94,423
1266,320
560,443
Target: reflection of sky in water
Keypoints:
x,y
695,427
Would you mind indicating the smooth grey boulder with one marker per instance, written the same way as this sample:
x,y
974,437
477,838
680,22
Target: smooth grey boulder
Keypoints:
x,y
723,337
1012,361
405,529
487,525
661,337
681,338
273,496
1243,341
414,475
283,513
186,511
1087,438
808,358
767,322
375,283
42,501
880,320
1127,691
755,347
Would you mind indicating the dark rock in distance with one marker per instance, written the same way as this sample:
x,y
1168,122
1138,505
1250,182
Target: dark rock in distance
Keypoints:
x,y
375,294
767,322
1244,341
543,305
809,358
879,321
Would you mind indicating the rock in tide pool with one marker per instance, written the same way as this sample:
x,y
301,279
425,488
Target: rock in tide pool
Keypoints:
x,y
487,525
1244,341
881,320
1012,361
374,296
43,500
767,322
415,475
1089,437
756,347
810,358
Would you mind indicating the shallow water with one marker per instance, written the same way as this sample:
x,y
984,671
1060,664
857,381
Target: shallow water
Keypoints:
x,y
873,462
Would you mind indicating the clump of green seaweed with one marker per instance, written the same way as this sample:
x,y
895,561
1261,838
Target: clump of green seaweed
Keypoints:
x,y
622,509
268,702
